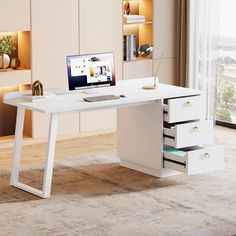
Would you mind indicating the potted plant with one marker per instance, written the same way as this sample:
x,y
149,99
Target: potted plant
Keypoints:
x,y
6,47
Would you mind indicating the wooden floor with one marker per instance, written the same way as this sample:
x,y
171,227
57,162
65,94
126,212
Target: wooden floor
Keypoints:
x,y
96,196
77,147
84,146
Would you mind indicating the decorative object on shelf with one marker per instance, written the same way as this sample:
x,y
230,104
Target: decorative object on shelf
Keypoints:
x,y
6,47
126,8
155,78
15,63
129,44
145,50
133,19
4,61
37,88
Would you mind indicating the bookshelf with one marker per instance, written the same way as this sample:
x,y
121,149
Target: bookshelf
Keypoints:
x,y
12,80
8,115
21,75
142,29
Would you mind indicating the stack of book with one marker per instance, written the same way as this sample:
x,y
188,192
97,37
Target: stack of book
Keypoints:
x,y
46,96
129,42
134,19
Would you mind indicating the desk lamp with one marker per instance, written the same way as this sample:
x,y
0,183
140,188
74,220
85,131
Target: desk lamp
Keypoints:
x,y
147,50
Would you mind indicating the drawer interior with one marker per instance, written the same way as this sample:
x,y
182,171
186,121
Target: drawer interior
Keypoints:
x,y
194,160
177,159
179,156
171,125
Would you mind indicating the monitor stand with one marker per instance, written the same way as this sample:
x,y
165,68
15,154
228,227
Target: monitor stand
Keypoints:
x,y
89,91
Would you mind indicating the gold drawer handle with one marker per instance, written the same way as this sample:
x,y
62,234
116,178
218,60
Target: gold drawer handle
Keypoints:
x,y
206,155
195,129
189,104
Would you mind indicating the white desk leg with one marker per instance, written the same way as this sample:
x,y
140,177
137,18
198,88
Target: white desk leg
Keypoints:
x,y
47,182
17,146
49,160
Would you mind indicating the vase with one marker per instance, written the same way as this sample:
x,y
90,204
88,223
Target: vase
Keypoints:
x,y
4,61
15,63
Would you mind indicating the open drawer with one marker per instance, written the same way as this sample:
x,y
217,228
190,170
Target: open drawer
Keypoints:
x,y
194,160
183,109
189,134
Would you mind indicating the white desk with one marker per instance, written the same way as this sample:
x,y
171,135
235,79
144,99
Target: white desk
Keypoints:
x,y
140,126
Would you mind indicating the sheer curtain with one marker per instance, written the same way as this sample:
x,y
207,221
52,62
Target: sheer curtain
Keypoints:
x,y
203,48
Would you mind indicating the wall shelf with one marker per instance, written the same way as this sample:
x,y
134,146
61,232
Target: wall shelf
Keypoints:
x,y
22,43
12,80
139,59
8,113
143,31
15,77
10,77
141,23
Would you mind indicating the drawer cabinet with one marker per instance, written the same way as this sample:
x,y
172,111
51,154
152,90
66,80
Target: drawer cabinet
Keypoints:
x,y
185,132
194,160
183,109
189,134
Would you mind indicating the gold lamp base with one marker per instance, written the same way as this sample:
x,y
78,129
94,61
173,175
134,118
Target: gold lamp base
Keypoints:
x,y
150,87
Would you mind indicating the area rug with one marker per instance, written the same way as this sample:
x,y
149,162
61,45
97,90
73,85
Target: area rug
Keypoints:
x,y
94,196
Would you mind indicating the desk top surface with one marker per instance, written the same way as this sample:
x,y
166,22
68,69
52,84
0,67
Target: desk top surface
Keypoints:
x,y
73,101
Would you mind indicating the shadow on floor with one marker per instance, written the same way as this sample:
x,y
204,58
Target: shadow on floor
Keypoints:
x,y
84,181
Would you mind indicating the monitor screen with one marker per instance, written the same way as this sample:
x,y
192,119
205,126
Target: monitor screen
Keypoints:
x,y
91,70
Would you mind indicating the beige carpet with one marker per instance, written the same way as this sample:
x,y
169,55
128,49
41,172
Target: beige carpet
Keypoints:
x,y
94,196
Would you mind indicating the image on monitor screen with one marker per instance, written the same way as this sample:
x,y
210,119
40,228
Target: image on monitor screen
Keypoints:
x,y
90,70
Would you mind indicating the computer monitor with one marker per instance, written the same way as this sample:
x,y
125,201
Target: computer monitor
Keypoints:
x,y
90,71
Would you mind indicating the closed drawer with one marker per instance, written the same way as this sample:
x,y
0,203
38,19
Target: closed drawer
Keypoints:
x,y
189,134
195,160
183,109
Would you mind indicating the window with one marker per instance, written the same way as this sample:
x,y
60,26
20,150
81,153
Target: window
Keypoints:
x,y
226,65
212,56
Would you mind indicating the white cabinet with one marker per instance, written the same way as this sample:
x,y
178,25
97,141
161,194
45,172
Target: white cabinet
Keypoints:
x,y
165,37
15,15
103,120
55,35
139,137
167,71
137,69
161,32
58,28
76,27
101,31
186,146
